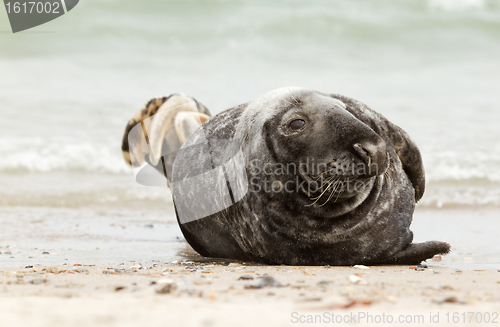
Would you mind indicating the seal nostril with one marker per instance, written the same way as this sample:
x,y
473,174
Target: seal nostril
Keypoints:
x,y
372,154
362,152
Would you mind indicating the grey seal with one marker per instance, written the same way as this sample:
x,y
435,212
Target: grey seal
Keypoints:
x,y
308,178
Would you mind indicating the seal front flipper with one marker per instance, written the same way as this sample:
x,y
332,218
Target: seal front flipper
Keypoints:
x,y
418,252
410,157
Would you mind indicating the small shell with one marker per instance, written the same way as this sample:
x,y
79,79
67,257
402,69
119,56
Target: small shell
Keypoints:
x,y
354,279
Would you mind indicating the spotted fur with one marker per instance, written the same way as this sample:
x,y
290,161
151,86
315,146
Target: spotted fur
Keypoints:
x,y
371,226
151,108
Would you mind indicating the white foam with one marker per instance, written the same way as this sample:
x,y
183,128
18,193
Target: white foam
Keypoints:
x,y
37,155
465,167
456,5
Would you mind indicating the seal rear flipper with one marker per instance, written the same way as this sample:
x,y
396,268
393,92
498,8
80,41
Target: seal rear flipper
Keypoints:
x,y
158,131
418,252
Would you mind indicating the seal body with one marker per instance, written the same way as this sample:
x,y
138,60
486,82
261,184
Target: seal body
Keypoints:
x,y
320,179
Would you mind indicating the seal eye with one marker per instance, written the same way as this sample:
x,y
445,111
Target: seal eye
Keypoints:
x,y
296,124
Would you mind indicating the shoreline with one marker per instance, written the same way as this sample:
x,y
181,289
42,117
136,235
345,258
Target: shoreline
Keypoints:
x,y
112,235
207,294
121,267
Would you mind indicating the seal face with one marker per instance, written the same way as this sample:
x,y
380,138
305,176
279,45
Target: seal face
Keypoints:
x,y
301,177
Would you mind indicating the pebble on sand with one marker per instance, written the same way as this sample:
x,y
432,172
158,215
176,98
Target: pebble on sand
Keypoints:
x,y
355,279
265,281
167,288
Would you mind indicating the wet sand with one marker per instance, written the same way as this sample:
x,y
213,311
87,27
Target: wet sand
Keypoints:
x,y
110,267
206,294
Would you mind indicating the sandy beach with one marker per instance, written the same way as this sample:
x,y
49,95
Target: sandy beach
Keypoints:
x,y
207,294
126,267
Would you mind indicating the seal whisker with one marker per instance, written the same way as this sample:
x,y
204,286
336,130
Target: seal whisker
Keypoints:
x,y
333,185
328,180
327,171
342,191
296,102
391,165
386,175
333,192
288,101
337,184
335,180
319,196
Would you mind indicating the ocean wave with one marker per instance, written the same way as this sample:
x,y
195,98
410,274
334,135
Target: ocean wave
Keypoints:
x,y
37,155
154,197
452,196
471,167
456,5
78,189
